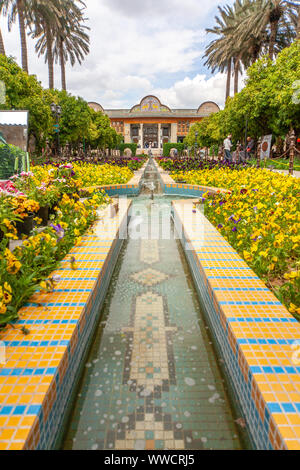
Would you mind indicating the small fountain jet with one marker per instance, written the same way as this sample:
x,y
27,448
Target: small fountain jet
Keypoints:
x,y
151,186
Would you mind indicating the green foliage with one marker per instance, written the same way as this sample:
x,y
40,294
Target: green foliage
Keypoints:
x,y
75,118
269,102
26,269
23,91
100,133
8,164
77,121
169,146
209,131
132,147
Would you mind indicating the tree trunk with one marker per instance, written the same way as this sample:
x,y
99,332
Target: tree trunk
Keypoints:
x,y
50,56
273,36
22,35
236,75
2,48
62,65
228,79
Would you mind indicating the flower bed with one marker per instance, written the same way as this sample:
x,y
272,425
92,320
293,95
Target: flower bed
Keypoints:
x,y
30,195
25,269
181,165
83,174
133,163
58,188
260,218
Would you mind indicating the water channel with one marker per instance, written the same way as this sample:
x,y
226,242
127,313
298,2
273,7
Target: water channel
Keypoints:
x,y
152,379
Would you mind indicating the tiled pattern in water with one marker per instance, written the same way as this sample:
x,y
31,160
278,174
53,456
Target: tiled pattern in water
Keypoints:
x,y
151,380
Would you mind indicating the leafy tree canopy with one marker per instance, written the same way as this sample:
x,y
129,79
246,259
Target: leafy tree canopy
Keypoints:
x,y
269,102
100,133
75,116
23,91
77,121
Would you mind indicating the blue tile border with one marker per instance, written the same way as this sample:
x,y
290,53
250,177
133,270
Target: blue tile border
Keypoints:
x,y
258,414
5,372
19,410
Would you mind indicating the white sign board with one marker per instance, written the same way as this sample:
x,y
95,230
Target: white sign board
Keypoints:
x,y
14,118
265,148
14,127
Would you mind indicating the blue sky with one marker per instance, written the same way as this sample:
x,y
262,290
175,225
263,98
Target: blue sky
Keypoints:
x,y
140,47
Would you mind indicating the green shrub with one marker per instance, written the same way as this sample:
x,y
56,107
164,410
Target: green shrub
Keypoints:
x,y
12,159
169,146
132,147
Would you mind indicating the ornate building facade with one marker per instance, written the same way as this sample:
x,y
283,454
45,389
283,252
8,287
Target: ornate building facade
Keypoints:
x,y
150,123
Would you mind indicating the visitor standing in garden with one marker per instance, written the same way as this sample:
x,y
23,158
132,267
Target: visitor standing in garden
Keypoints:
x,y
227,147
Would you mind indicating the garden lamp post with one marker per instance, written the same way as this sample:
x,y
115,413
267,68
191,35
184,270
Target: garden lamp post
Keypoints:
x,y
56,112
196,143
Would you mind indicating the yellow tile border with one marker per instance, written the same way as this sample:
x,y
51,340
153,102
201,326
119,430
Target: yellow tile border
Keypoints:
x,y
36,367
243,321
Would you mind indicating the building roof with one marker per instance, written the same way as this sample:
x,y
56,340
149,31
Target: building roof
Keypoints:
x,y
150,106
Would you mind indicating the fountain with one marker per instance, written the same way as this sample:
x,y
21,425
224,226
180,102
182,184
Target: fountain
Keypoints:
x,y
152,356
151,186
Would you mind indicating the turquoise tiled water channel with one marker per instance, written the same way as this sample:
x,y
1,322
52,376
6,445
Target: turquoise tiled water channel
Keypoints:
x,y
152,380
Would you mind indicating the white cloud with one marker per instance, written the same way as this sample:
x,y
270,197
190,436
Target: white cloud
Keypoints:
x,y
191,92
135,44
176,11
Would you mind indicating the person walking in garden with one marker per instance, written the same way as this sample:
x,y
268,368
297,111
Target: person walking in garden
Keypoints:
x,y
227,147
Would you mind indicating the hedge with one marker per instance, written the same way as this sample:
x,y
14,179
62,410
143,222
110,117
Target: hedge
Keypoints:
x,y
132,147
169,146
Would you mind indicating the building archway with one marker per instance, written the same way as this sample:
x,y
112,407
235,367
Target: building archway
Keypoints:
x,y
150,136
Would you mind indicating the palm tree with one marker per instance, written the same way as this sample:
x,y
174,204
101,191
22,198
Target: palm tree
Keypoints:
x,y
71,42
2,48
218,54
12,9
73,46
60,34
226,52
45,17
296,5
276,18
249,29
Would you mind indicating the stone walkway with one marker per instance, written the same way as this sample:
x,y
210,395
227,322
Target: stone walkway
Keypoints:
x,y
286,172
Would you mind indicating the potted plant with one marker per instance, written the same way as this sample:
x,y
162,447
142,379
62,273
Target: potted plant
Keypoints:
x,y
46,195
25,209
8,218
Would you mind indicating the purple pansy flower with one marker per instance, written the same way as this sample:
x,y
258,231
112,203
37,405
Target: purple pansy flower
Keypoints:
x,y
59,231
